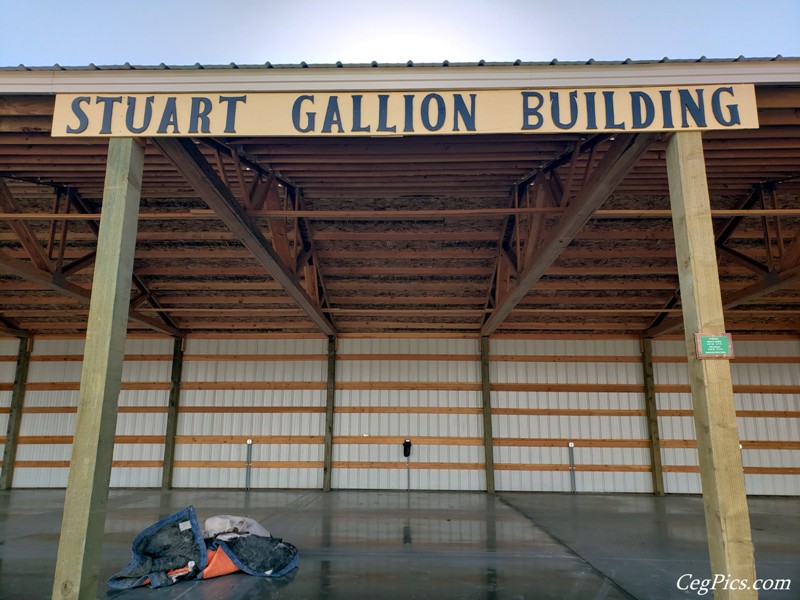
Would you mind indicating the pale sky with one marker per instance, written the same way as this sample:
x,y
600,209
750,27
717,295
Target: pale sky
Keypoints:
x,y
184,32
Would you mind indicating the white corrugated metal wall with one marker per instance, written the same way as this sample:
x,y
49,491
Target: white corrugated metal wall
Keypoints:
x,y
8,367
426,390
548,393
545,393
142,416
766,384
51,401
269,390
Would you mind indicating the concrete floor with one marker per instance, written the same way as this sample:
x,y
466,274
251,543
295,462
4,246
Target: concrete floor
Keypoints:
x,y
423,545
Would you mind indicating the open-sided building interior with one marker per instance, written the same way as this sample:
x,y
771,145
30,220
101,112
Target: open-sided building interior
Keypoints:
x,y
519,305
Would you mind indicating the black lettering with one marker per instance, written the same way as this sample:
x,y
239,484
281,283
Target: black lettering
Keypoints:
x,y
408,101
608,98
467,115
383,114
148,114
591,110
357,115
170,117
199,115
332,116
733,109
108,109
555,110
425,112
529,111
230,118
310,116
83,120
666,108
691,107
637,100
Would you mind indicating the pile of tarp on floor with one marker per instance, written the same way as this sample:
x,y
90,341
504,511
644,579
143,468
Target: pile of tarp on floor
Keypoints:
x,y
177,549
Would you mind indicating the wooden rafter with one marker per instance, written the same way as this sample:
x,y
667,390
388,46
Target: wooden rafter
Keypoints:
x,y
11,328
26,236
194,167
771,283
791,256
723,234
56,282
263,196
404,231
743,259
76,201
617,162
279,230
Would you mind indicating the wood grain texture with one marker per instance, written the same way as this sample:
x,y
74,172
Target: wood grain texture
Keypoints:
x,y
721,473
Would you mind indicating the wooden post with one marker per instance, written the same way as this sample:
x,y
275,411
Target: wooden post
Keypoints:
x,y
15,414
652,417
329,406
172,413
488,445
79,549
724,497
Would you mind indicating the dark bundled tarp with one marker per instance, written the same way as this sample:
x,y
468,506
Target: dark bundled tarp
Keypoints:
x,y
174,549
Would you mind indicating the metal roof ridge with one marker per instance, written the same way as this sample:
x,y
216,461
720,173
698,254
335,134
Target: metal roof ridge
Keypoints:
x,y
410,63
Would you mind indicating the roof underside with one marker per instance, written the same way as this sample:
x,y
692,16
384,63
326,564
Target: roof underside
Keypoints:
x,y
413,235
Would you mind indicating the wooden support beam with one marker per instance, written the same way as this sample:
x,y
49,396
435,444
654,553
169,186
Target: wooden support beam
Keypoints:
x,y
260,191
772,282
330,401
57,283
85,261
652,418
167,472
502,279
192,165
486,396
11,327
744,260
169,327
25,234
50,281
310,276
509,254
617,162
83,524
15,413
722,236
721,474
144,289
791,256
505,261
279,231
307,235
533,240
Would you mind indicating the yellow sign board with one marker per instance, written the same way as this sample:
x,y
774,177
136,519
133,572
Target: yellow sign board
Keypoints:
x,y
595,110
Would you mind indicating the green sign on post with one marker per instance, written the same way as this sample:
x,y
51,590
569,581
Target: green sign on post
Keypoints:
x,y
713,346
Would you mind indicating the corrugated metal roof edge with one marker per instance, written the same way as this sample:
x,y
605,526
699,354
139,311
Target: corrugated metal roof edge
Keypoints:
x,y
375,64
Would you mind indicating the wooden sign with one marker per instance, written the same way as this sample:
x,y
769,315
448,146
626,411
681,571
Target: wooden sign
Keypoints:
x,y
612,110
713,346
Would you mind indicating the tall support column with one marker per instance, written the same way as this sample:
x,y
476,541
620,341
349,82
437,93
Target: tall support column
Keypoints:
x,y
15,415
327,472
172,413
488,445
724,497
652,416
79,549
